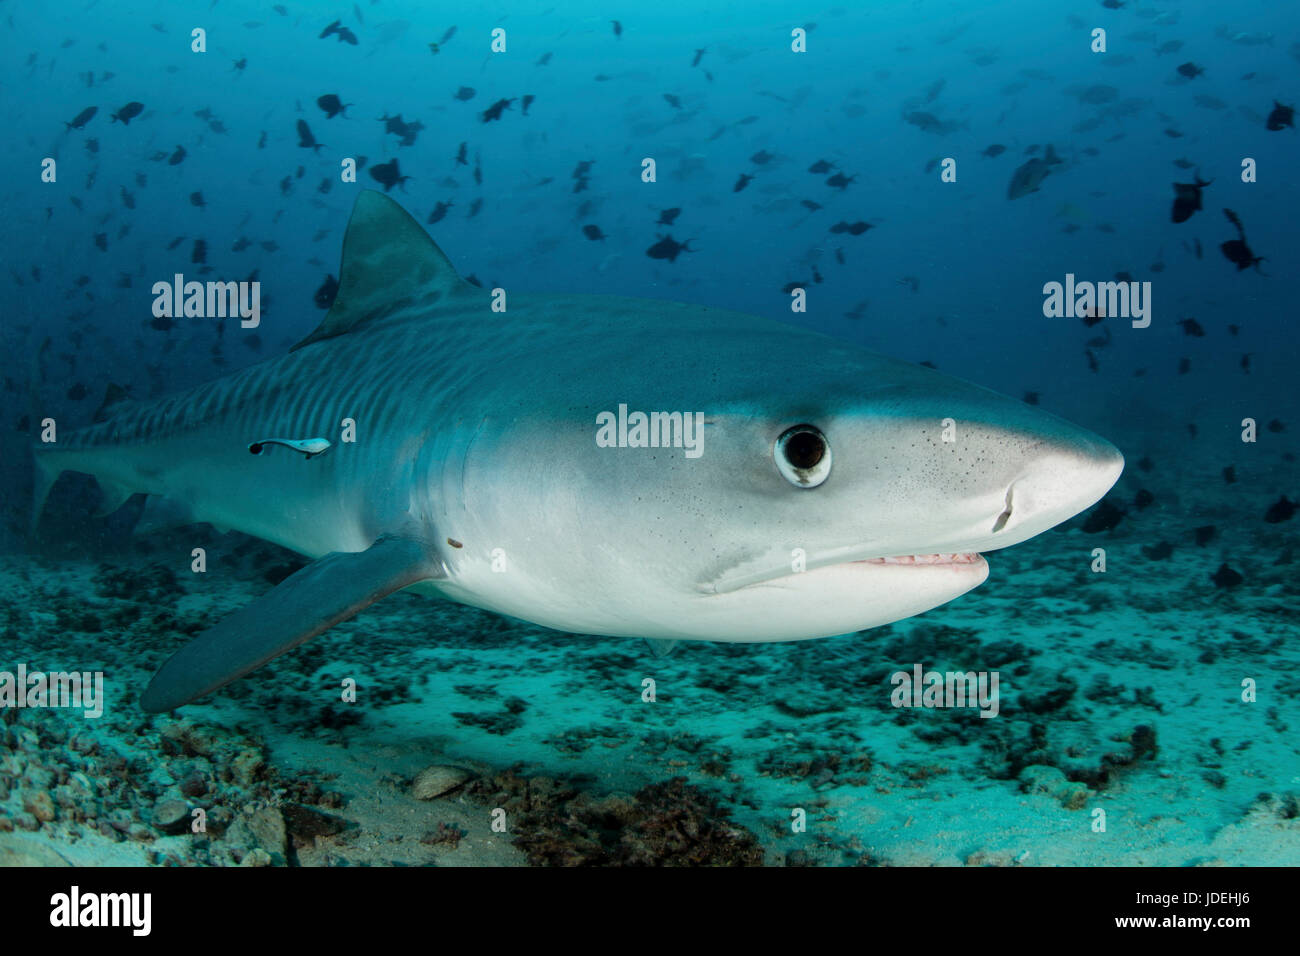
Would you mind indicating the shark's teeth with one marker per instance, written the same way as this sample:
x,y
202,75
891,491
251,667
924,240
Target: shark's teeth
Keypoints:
x,y
963,558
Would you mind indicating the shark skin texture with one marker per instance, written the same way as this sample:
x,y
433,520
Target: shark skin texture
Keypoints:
x,y
830,489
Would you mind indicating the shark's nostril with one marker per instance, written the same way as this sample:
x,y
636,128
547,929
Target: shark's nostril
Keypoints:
x,y
1005,516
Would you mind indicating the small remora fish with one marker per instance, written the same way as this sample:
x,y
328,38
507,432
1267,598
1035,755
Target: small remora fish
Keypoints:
x,y
1031,174
308,447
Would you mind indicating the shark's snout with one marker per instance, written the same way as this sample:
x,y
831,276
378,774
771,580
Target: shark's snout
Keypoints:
x,y
1061,479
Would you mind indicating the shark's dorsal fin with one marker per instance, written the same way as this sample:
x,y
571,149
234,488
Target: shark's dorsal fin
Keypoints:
x,y
389,262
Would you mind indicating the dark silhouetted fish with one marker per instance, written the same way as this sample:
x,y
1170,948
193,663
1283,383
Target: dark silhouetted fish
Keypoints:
x,y
666,248
1183,163
526,102
176,158
810,205
1204,534
128,112
439,211
1230,475
761,158
667,216
1192,328
1281,116
699,55
1190,70
324,297
343,33
840,181
1031,174
673,101
593,232
618,28
1280,510
493,112
997,149
388,175
744,180
1226,577
461,155
81,119
821,166
332,106
1031,398
929,122
474,208
1187,199
465,93
1236,250
199,254
852,228
305,138
196,199
1105,517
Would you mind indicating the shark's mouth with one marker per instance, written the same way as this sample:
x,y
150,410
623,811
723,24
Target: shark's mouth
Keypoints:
x,y
959,562
967,557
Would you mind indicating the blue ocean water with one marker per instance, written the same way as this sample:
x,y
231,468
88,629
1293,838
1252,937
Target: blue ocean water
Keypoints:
x,y
1165,682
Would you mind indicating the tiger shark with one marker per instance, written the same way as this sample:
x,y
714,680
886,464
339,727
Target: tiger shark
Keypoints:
x,y
595,464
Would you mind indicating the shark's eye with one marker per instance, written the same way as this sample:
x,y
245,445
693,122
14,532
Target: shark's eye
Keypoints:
x,y
803,456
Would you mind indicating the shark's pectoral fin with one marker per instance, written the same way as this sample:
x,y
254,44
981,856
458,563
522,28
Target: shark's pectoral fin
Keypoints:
x,y
323,594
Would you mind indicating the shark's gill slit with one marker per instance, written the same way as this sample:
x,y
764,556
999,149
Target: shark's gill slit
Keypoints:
x,y
1006,514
